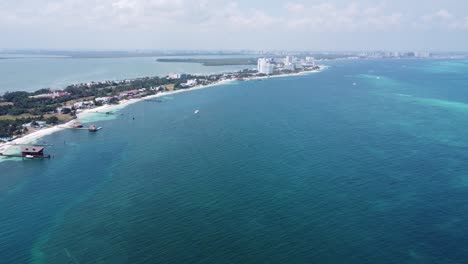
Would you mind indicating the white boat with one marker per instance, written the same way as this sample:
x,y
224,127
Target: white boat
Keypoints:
x,y
196,111
29,156
94,128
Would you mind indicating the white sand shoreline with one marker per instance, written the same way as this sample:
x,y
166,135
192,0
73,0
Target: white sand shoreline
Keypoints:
x,y
33,137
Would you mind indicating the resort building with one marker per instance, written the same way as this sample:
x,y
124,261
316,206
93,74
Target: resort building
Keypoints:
x,y
422,54
52,95
290,66
265,66
84,104
130,93
41,124
103,100
190,83
35,124
177,76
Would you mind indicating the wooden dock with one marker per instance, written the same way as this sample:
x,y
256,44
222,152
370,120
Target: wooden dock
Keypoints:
x,y
23,157
35,145
80,128
28,152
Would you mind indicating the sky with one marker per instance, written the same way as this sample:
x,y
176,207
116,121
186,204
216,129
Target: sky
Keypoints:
x,y
425,25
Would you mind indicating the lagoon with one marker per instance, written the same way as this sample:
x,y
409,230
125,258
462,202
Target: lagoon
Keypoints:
x,y
33,73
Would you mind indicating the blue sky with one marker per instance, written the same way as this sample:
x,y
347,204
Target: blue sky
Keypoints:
x,y
243,24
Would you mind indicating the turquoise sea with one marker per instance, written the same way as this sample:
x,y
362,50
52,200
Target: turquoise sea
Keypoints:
x,y
365,162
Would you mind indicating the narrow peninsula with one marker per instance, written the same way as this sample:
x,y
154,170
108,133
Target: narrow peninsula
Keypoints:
x,y
25,113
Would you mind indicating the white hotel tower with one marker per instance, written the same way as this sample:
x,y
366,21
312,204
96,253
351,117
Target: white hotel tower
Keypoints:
x,y
264,66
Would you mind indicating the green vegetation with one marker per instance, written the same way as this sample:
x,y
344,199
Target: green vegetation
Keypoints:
x,y
12,127
216,62
18,108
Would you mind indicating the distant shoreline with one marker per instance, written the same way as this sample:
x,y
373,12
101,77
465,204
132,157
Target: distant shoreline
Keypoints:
x,y
33,137
213,62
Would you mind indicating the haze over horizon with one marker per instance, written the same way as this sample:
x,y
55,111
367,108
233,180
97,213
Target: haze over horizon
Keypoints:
x,y
220,24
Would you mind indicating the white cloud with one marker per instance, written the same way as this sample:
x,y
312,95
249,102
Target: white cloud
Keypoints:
x,y
351,17
441,19
207,14
295,7
441,15
253,19
175,21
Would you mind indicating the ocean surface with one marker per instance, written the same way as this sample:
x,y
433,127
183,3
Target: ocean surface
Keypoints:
x,y
30,73
365,162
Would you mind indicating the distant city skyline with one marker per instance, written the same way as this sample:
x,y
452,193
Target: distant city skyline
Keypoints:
x,y
234,25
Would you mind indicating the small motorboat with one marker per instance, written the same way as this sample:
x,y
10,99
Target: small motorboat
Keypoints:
x,y
93,128
77,125
196,111
29,157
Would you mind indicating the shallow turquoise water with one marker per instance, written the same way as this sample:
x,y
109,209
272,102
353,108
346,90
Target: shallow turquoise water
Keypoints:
x,y
32,73
309,169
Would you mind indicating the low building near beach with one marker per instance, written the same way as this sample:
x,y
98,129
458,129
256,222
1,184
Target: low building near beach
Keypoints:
x,y
27,125
65,109
52,95
88,104
78,105
33,151
104,100
190,83
157,89
84,104
35,124
129,94
177,76
41,124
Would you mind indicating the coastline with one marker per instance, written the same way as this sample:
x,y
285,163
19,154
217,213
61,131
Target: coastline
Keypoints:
x,y
33,137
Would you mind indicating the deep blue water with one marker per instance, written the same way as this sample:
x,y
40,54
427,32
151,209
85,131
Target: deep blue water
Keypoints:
x,y
308,169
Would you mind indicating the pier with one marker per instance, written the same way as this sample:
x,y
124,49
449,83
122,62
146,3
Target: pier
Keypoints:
x,y
29,152
23,157
91,128
32,145
84,128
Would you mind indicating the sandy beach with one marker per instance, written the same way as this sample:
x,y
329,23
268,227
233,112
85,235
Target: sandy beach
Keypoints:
x,y
6,148
35,136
